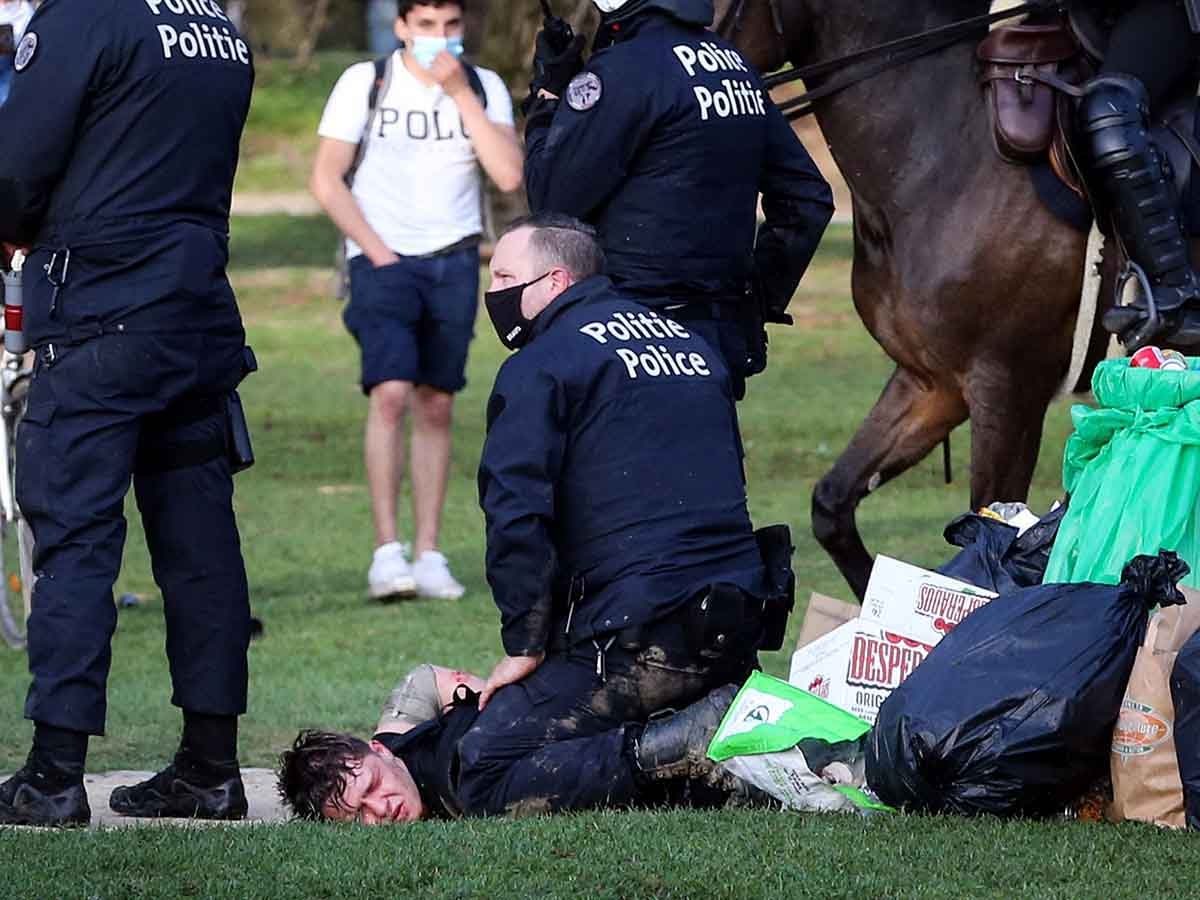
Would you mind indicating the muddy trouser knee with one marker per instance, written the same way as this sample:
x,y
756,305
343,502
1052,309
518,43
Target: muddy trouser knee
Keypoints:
x,y
557,740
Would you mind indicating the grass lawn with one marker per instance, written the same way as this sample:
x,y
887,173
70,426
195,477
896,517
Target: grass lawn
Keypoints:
x,y
281,133
329,658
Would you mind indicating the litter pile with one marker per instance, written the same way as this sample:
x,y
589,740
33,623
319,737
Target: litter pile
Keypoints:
x,y
1050,659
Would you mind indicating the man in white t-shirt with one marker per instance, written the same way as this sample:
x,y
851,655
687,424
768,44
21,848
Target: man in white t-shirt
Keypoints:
x,y
412,221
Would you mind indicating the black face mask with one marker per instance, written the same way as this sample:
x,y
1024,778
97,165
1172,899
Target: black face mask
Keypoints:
x,y
504,309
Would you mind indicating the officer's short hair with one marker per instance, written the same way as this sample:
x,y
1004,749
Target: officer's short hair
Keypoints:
x,y
561,240
404,7
315,770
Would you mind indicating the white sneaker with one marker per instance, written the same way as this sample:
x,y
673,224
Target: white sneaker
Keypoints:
x,y
434,579
390,575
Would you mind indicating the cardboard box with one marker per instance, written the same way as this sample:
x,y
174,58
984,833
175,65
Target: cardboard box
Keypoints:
x,y
917,603
856,666
823,615
906,612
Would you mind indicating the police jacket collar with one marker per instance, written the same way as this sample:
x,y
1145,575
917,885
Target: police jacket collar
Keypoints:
x,y
579,292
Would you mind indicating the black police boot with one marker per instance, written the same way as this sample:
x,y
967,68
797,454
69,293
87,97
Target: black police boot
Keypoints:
x,y
1126,169
187,789
45,792
676,746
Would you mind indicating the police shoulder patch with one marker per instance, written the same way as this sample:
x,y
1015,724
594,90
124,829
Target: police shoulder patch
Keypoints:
x,y
25,51
584,91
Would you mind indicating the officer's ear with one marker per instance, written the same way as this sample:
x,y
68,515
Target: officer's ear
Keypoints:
x,y
560,280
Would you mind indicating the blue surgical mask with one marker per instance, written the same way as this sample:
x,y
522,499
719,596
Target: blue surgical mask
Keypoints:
x,y
425,49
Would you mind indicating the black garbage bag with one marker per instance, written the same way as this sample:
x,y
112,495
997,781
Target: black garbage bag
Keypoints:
x,y
994,557
1013,712
1185,694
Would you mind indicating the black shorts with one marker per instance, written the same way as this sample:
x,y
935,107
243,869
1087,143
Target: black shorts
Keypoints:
x,y
414,319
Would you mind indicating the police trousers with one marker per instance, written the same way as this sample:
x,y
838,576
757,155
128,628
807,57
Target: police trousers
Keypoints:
x,y
142,408
558,740
1152,41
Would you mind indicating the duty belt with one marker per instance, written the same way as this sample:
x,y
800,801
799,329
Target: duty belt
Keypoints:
x,y
701,310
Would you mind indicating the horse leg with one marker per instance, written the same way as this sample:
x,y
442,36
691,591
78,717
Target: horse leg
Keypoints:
x,y
1007,417
909,419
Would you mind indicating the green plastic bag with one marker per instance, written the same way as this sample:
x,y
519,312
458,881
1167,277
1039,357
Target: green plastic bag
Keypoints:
x,y
757,741
769,715
1132,468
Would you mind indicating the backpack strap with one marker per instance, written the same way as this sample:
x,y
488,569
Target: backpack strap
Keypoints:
x,y
477,82
383,77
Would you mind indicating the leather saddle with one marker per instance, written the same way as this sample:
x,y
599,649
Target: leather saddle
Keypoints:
x,y
1031,75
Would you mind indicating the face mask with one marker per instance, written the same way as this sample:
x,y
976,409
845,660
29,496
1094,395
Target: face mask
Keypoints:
x,y
504,309
425,49
608,6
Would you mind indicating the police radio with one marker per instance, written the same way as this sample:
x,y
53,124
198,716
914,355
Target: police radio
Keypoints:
x,y
559,33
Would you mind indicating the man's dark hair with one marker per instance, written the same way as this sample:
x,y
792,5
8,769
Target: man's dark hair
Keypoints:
x,y
315,770
404,7
561,240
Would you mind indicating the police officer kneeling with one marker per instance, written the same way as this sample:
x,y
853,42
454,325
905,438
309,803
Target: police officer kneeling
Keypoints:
x,y
619,547
118,147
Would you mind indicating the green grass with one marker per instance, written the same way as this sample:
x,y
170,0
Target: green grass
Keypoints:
x,y
277,240
614,855
281,132
329,658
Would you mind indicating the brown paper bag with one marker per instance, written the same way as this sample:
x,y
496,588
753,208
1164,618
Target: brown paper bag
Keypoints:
x,y
1145,769
823,615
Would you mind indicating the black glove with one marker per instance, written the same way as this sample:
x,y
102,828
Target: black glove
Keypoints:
x,y
556,63
773,309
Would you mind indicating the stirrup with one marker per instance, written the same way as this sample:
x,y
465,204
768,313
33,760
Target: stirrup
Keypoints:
x,y
1150,321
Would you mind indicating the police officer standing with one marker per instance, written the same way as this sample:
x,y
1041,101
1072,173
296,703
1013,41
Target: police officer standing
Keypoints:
x,y
118,147
664,142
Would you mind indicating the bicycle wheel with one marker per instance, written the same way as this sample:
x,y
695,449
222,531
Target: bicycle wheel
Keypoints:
x,y
13,606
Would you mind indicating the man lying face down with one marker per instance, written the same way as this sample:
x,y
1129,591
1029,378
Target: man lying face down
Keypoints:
x,y
409,769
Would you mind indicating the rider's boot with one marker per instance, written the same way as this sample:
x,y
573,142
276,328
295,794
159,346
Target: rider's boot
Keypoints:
x,y
1126,168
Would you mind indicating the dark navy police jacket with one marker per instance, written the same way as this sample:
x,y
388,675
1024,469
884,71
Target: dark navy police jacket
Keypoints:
x,y
119,143
612,453
664,143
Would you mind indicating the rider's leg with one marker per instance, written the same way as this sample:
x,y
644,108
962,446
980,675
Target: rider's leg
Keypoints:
x,y
1153,42
1126,168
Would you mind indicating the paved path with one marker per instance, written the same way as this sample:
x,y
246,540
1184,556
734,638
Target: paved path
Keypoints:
x,y
300,203
294,203
260,792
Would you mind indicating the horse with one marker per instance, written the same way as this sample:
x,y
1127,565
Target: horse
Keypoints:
x,y
964,278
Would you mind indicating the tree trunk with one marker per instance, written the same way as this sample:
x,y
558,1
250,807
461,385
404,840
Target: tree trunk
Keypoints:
x,y
317,20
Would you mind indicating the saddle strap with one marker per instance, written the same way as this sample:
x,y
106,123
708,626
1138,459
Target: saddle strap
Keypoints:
x,y
1027,75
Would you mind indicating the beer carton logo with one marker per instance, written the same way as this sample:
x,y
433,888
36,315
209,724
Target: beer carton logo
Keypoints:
x,y
819,687
884,661
945,606
1139,729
